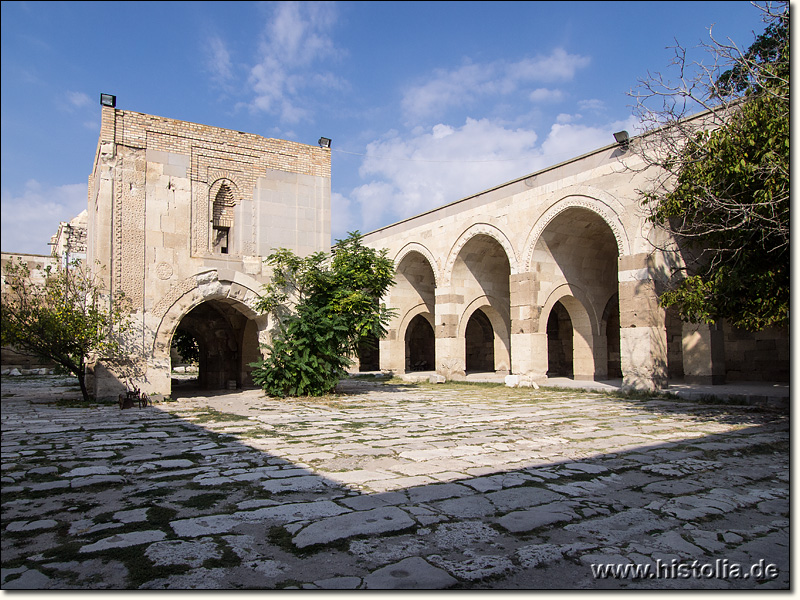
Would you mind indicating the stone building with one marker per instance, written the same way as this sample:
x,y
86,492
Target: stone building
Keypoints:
x,y
37,265
555,274
180,217
69,242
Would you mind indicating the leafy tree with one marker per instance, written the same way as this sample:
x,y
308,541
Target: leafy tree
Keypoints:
x,y
66,318
724,190
323,307
186,346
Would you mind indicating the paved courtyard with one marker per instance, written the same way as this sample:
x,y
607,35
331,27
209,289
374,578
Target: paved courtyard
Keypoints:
x,y
391,485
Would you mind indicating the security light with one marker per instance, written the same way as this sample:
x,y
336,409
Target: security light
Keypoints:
x,y
324,142
108,100
622,138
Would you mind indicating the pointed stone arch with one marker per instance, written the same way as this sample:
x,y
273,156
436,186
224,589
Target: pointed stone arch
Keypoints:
x,y
427,254
474,230
587,359
500,325
602,203
227,291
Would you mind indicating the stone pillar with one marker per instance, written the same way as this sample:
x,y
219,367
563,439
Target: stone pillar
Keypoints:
x,y
522,288
643,332
703,354
451,359
583,364
600,357
393,352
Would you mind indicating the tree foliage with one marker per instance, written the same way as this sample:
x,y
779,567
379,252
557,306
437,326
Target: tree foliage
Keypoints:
x,y
323,306
67,318
186,346
724,189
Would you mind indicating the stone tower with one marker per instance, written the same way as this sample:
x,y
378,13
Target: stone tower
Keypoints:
x,y
180,218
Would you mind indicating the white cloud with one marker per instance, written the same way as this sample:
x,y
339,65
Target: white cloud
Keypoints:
x,y
592,104
30,218
409,175
79,99
295,40
218,61
546,95
559,65
461,86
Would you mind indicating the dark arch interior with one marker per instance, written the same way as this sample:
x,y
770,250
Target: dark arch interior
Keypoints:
x,y
611,320
420,345
224,338
479,340
369,355
559,342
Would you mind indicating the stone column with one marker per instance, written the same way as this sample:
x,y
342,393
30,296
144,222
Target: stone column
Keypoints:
x,y
523,318
451,360
643,332
392,352
703,354
583,360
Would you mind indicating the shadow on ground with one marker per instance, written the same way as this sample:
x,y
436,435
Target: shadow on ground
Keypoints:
x,y
389,486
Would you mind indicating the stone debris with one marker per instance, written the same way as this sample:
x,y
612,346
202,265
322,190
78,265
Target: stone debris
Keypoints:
x,y
388,488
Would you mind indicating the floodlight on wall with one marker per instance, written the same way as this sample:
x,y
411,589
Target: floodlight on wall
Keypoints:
x,y
622,138
324,142
108,100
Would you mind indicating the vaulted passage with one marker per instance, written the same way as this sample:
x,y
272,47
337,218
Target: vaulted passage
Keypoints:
x,y
420,345
611,324
559,342
480,276
369,354
227,342
577,258
479,341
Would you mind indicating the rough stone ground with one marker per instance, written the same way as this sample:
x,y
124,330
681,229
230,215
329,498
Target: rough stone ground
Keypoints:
x,y
389,486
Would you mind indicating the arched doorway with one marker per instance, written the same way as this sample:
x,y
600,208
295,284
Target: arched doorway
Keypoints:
x,y
227,342
369,354
480,278
559,342
414,299
479,343
420,344
611,325
576,264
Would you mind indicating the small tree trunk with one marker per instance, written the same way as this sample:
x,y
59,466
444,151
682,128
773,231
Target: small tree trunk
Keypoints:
x,y
81,373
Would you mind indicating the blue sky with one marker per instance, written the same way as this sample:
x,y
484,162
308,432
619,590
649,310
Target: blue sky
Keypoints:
x,y
426,102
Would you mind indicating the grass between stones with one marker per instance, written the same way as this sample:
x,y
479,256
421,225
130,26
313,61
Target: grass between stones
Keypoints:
x,y
204,501
211,415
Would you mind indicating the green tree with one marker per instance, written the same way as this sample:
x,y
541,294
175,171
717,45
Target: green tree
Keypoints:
x,y
323,306
186,346
724,190
67,317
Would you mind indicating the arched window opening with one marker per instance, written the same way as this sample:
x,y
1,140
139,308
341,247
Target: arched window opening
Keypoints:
x,y
224,203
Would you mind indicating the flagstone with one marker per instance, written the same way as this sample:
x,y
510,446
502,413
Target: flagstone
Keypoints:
x,y
124,540
370,522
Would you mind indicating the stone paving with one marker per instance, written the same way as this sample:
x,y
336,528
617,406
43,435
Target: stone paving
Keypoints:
x,y
391,486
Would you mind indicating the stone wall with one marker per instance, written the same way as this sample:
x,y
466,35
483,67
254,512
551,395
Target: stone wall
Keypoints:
x,y
569,242
181,214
